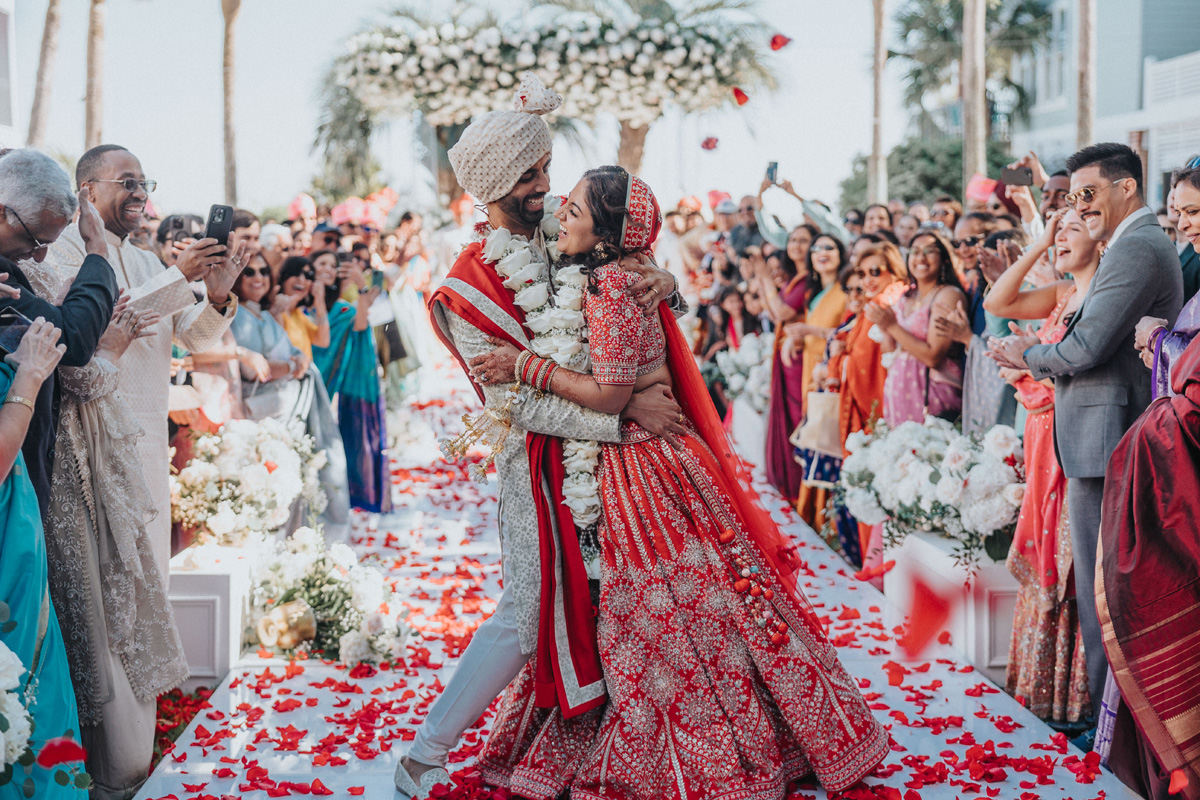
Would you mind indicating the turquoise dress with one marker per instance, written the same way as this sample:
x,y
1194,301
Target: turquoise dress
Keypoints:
x,y
24,587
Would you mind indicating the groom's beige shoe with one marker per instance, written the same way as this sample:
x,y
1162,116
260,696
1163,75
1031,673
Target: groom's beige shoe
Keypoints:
x,y
407,786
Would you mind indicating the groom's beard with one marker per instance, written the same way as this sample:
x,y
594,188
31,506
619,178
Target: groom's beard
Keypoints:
x,y
515,209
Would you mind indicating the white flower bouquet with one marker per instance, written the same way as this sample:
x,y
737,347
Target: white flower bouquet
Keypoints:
x,y
242,481
932,478
15,723
747,370
357,616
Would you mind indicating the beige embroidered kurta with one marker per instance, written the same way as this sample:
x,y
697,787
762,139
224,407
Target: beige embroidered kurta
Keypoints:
x,y
146,366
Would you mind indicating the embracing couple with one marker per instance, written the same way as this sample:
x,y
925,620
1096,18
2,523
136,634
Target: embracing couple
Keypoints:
x,y
705,673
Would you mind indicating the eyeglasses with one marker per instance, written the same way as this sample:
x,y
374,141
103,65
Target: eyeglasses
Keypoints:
x,y
1088,193
38,244
823,248
853,290
130,184
750,209
929,252
970,241
250,272
852,221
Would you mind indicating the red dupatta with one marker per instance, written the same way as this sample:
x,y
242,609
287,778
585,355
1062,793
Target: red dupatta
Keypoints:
x,y
564,582
1149,560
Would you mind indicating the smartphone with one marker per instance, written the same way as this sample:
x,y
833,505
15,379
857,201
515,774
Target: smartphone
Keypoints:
x,y
1019,176
378,279
773,171
220,223
13,326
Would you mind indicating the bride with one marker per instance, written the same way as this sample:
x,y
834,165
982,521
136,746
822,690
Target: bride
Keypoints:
x,y
721,682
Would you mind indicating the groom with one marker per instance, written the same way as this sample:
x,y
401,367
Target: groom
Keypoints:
x,y
503,160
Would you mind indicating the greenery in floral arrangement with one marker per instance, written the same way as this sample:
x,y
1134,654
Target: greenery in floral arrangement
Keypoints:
x,y
931,478
357,617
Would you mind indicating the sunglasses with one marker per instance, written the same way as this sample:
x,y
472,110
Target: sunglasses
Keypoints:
x,y
1088,193
250,272
853,290
130,184
330,238
823,248
751,209
874,272
970,241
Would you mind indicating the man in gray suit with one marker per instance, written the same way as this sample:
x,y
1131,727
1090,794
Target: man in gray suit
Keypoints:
x,y
1101,385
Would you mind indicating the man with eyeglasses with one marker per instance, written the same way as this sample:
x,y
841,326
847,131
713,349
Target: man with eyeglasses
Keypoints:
x,y
1101,385
38,203
746,233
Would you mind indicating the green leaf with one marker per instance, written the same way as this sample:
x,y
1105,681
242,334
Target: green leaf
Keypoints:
x,y
27,758
4,724
27,787
83,781
61,778
9,626
6,775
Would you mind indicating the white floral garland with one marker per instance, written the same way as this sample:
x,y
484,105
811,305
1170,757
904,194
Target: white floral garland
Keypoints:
x,y
559,332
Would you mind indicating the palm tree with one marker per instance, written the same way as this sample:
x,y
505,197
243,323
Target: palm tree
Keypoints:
x,y
229,9
877,189
974,90
931,42
1086,112
94,100
40,112
736,19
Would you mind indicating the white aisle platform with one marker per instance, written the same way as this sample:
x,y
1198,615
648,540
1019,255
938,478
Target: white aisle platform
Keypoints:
x,y
329,731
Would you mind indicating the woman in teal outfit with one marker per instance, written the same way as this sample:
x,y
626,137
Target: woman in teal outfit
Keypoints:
x,y
36,640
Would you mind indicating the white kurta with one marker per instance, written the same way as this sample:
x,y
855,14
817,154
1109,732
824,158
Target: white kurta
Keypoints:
x,y
146,366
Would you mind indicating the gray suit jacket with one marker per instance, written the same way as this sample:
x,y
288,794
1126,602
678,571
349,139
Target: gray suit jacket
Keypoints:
x,y
1101,385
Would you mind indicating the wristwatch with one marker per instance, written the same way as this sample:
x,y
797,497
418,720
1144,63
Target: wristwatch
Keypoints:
x,y
25,401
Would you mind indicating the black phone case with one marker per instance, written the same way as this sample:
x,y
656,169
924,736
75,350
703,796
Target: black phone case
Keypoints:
x,y
219,228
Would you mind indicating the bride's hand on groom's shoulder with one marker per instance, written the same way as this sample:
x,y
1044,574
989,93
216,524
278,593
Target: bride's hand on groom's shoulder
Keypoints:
x,y
655,286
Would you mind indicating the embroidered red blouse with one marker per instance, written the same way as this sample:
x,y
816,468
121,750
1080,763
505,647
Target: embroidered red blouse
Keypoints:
x,y
625,343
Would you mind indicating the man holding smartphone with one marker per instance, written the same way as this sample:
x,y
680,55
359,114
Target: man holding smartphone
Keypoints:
x,y
38,203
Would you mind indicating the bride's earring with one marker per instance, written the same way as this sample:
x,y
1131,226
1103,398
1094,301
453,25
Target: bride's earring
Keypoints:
x,y
600,250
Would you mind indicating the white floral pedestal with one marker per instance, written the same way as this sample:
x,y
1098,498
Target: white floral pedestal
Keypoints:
x,y
981,623
749,432
210,595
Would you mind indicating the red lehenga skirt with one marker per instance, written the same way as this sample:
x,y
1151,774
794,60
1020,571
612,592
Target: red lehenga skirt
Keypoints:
x,y
715,690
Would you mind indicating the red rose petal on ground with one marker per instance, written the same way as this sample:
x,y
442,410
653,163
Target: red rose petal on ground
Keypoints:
x,y
319,788
779,41
1179,781
709,143
927,616
195,787
357,790
740,97
944,637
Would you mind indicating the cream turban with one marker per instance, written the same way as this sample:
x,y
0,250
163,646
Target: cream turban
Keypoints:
x,y
497,148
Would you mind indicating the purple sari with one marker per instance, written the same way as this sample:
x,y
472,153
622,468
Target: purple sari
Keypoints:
x,y
1169,346
787,406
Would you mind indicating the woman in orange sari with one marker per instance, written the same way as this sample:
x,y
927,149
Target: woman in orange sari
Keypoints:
x,y
826,310
1046,668
862,374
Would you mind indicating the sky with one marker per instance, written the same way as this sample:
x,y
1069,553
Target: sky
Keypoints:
x,y
163,96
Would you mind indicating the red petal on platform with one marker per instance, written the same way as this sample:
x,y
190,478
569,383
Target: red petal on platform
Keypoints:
x,y
740,97
927,617
356,790
779,41
1179,781
875,572
709,143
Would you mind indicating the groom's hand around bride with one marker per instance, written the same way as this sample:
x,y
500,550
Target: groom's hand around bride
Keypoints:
x,y
655,286
655,410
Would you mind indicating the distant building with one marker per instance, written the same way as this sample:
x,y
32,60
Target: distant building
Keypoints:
x,y
1147,85
9,136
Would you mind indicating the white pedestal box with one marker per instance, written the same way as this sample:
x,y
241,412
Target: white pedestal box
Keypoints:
x,y
981,622
210,595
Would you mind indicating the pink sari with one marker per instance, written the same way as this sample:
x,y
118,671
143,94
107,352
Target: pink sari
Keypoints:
x,y
912,389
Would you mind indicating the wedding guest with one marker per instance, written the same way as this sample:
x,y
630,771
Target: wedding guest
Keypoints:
x,y
36,196
1146,591
299,294
746,233
906,229
120,189
1189,260
876,218
275,243
897,208
350,369
926,373
1047,668
947,211
784,291
327,237
817,216
852,223
256,330
728,325
825,303
1101,386
173,232
30,632
863,376
920,211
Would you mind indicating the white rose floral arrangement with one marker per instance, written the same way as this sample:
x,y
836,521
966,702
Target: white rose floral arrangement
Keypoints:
x,y
242,481
452,72
16,725
930,477
747,370
357,615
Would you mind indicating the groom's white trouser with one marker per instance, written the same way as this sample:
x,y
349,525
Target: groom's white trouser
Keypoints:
x,y
490,662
